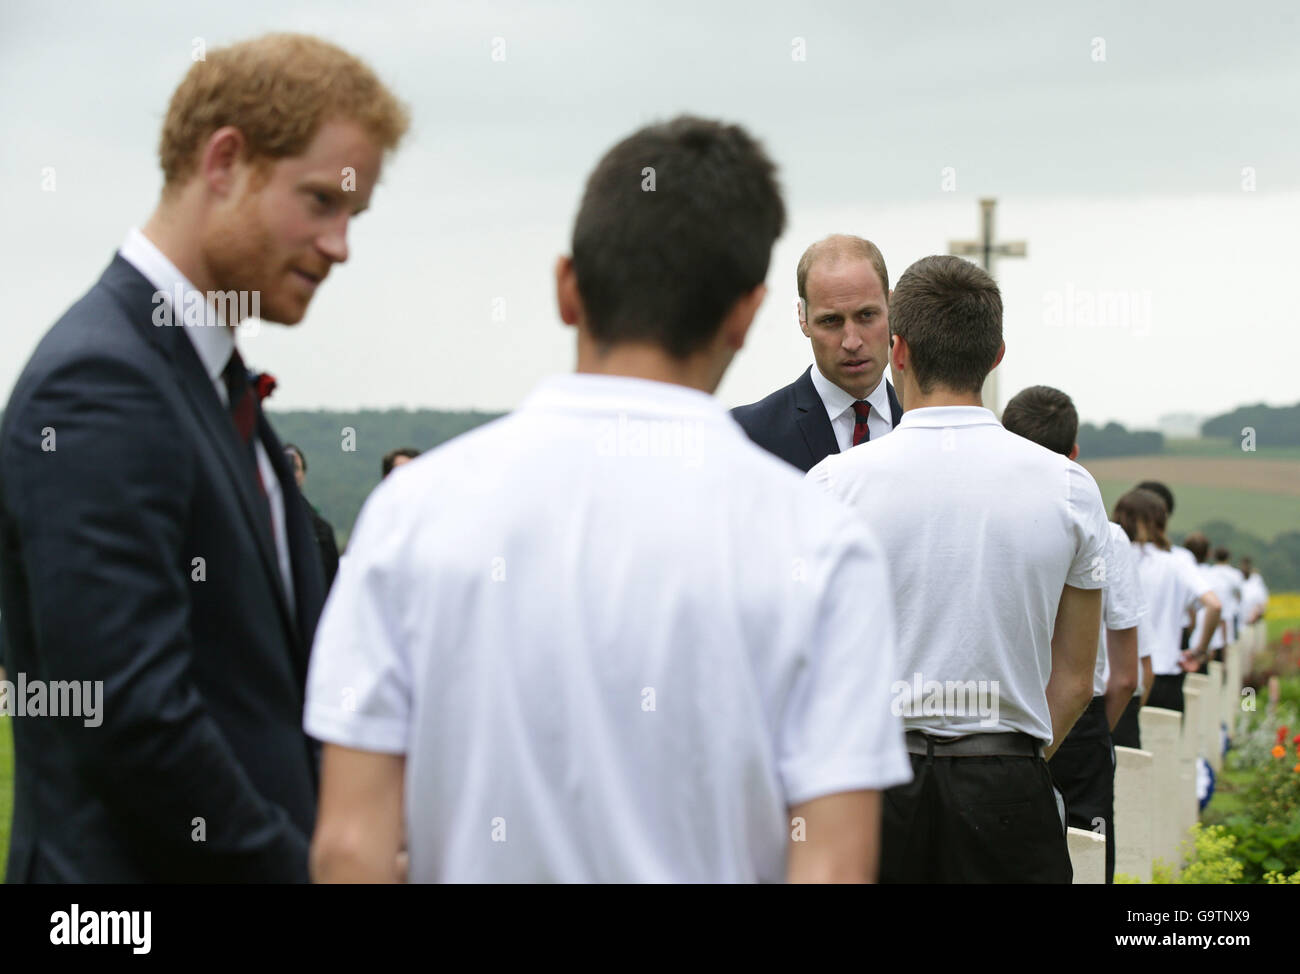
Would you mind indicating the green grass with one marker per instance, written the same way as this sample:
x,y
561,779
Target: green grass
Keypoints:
x,y
1227,449
1255,512
6,790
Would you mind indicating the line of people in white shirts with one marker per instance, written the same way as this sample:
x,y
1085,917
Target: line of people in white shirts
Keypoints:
x,y
563,647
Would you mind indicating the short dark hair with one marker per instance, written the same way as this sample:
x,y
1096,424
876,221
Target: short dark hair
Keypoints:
x,y
666,265
1198,544
302,457
1045,415
1221,554
1161,491
409,452
950,314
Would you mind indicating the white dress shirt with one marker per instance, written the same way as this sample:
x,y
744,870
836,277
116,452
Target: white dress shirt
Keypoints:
x,y
839,409
214,345
982,529
615,640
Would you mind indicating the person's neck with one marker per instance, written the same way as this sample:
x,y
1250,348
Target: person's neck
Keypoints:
x,y
914,398
645,361
172,231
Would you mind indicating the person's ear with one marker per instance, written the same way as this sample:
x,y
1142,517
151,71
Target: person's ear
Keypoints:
x,y
567,298
736,325
1074,452
222,160
898,354
803,318
1002,350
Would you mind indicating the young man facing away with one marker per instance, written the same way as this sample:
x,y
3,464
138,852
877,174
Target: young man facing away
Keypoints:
x,y
1083,767
607,638
997,550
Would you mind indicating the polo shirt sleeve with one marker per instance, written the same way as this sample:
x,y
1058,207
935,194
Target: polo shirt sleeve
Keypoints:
x,y
1089,568
1192,583
358,684
838,730
1125,602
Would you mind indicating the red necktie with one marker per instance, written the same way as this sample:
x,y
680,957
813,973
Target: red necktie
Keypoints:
x,y
861,410
243,411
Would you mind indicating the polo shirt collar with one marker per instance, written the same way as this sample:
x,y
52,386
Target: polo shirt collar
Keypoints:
x,y
837,401
944,417
214,345
590,392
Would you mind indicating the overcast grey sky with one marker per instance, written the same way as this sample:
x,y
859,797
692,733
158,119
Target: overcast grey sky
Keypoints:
x,y
1130,178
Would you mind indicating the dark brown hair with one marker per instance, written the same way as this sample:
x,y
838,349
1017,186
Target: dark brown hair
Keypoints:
x,y
1198,544
665,265
950,314
1045,415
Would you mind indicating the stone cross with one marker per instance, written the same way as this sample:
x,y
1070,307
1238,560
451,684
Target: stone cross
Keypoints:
x,y
985,251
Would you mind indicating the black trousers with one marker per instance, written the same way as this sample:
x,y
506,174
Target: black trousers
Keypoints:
x,y
1167,692
974,820
1127,732
1083,769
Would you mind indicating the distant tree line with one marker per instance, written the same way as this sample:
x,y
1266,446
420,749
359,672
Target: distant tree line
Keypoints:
x,y
1273,425
344,451
1113,440
1278,561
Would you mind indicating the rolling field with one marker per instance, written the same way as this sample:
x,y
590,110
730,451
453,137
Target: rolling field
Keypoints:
x,y
1256,492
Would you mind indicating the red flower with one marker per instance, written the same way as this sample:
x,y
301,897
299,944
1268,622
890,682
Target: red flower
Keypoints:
x,y
265,385
1281,734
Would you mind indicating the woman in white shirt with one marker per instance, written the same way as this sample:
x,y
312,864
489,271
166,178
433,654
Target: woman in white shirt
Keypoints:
x,y
1172,587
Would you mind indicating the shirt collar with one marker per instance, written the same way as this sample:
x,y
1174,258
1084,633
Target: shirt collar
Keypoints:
x,y
214,345
590,392
943,417
837,401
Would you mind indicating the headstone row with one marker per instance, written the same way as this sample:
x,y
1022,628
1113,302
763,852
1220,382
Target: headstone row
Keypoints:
x,y
1157,792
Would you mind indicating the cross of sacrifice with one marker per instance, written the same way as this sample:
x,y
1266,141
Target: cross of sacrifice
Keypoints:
x,y
985,250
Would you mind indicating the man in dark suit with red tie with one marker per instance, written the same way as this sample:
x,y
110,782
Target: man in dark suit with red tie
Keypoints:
x,y
152,539
843,399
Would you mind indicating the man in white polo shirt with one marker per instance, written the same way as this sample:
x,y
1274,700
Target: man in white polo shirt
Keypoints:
x,y
1083,767
607,638
997,550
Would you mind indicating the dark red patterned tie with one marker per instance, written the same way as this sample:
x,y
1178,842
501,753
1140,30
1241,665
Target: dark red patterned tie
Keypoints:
x,y
243,410
861,410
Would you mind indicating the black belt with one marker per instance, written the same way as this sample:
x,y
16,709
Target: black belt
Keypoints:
x,y
1014,745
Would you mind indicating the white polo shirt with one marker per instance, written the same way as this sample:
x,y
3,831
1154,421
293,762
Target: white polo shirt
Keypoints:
x,y
1122,603
1233,580
1254,595
615,641
839,409
1172,586
982,530
1221,584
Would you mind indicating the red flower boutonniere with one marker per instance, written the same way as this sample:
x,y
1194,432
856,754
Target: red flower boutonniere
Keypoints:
x,y
265,383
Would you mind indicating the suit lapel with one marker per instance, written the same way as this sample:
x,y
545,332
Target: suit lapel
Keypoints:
x,y
242,475
304,554
136,296
811,418
895,407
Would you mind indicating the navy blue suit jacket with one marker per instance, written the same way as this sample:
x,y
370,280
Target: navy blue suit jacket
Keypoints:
x,y
792,422
119,468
